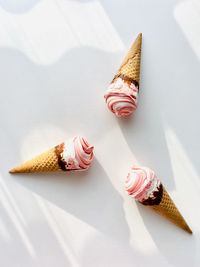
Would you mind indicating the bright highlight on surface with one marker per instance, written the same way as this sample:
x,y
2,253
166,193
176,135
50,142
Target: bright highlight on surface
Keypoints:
x,y
187,14
52,28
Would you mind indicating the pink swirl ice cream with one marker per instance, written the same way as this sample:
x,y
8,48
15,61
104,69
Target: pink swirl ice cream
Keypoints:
x,y
142,184
75,154
122,97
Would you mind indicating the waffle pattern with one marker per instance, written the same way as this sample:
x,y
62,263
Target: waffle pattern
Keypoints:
x,y
131,64
45,162
168,209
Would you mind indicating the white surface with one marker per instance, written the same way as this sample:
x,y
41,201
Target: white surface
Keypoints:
x,y
56,59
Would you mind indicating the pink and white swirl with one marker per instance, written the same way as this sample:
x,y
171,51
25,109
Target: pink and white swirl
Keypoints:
x,y
77,154
122,97
141,183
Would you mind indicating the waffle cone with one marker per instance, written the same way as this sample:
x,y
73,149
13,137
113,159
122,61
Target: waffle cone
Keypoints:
x,y
45,162
130,66
167,209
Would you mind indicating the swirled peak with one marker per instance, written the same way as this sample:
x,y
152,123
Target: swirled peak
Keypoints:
x,y
142,184
122,97
76,154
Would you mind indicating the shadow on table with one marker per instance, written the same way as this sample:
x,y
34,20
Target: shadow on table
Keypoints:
x,y
90,197
87,195
37,95
145,136
18,6
169,79
52,95
177,246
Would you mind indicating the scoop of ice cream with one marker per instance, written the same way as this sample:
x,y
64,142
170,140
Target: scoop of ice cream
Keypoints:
x,y
142,184
122,97
76,154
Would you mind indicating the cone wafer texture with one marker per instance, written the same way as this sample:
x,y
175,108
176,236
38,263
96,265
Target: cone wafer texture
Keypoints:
x,y
74,154
46,162
143,185
168,209
130,67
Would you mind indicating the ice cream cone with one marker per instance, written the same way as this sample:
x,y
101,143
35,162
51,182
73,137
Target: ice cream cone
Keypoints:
x,y
74,154
130,67
122,94
143,185
168,209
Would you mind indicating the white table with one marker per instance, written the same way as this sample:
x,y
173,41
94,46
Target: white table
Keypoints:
x,y
56,59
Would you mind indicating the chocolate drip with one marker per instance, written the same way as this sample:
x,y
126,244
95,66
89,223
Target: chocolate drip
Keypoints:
x,y
58,150
156,199
126,79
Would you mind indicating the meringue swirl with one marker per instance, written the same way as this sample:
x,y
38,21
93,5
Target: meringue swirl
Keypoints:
x,y
122,97
142,184
75,154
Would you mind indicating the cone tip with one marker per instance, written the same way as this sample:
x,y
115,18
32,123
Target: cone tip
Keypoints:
x,y
14,170
139,39
189,230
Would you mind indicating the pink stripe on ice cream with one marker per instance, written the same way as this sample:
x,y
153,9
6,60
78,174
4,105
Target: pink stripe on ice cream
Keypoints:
x,y
141,183
84,152
122,97
77,154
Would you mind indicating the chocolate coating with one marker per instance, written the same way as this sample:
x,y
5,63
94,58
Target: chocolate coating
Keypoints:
x,y
156,199
58,151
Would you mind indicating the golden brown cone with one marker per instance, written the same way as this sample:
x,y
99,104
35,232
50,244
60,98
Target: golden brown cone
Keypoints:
x,y
130,66
45,162
167,209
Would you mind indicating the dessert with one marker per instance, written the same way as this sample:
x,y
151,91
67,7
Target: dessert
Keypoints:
x,y
142,184
74,154
122,94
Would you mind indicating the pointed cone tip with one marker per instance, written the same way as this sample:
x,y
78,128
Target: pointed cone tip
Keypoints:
x,y
139,37
11,171
17,169
189,230
14,170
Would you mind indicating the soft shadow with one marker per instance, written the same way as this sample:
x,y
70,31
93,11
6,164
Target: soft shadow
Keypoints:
x,y
22,239
169,79
42,96
145,136
52,95
88,195
21,6
177,247
114,253
91,198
